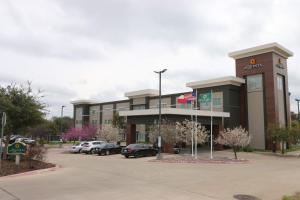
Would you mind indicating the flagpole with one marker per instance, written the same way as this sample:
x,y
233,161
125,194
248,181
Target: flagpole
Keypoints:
x,y
211,125
192,129
196,138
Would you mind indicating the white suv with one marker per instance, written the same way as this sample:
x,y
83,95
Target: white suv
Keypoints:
x,y
90,147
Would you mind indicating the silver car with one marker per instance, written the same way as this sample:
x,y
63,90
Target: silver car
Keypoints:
x,y
90,147
77,148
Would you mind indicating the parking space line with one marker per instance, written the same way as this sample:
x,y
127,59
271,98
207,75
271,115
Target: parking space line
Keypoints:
x,y
10,194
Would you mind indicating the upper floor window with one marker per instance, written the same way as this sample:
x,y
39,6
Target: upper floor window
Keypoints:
x,y
93,112
254,83
139,107
280,82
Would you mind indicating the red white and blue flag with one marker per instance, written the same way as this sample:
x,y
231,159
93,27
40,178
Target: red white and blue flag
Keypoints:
x,y
187,98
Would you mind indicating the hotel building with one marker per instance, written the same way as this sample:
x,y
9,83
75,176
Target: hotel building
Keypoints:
x,y
256,98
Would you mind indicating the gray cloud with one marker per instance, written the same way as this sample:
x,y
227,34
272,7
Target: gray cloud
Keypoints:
x,y
101,49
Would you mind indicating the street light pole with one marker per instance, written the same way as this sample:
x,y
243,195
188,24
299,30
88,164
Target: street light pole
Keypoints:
x,y
159,156
61,118
298,108
3,123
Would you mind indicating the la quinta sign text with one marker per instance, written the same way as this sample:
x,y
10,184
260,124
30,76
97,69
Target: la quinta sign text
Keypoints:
x,y
253,65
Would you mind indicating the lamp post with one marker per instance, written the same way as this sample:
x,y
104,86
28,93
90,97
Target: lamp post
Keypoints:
x,y
3,123
61,118
159,156
298,109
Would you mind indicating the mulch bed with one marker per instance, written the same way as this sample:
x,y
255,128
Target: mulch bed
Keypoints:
x,y
10,168
189,159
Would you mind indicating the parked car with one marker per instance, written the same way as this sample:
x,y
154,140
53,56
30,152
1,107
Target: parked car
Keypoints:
x,y
90,147
25,140
108,148
77,148
139,150
13,138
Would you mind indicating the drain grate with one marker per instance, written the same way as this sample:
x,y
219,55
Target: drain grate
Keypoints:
x,y
245,197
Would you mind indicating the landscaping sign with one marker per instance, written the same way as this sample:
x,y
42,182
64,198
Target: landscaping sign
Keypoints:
x,y
17,148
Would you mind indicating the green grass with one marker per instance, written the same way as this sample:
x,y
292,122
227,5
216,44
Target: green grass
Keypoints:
x,y
54,142
294,197
294,148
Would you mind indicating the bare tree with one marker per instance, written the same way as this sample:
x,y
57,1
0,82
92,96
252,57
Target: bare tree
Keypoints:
x,y
235,138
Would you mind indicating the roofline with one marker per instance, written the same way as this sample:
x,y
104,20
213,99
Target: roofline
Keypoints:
x,y
227,80
83,101
266,48
142,93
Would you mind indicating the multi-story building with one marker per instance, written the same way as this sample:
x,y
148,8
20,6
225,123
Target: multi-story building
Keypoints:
x,y
256,98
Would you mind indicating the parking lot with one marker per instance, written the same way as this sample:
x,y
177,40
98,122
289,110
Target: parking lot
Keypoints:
x,y
115,177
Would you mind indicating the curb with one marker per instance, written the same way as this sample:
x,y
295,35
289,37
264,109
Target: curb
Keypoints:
x,y
34,172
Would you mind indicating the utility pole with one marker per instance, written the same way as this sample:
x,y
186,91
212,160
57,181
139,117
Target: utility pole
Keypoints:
x,y
159,156
298,116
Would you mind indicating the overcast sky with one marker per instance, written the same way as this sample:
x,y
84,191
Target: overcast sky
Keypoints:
x,y
100,49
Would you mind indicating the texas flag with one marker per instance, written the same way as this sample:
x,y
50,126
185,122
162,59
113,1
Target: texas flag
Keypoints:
x,y
181,99
186,98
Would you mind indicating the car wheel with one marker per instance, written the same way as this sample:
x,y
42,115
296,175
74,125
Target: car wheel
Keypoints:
x,y
79,151
92,151
107,152
102,153
127,156
136,155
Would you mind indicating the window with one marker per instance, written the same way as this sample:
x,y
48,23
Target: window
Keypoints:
x,y
107,121
280,82
139,107
254,83
94,122
93,112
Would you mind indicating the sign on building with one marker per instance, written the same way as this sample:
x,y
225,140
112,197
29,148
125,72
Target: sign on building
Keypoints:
x,y
205,99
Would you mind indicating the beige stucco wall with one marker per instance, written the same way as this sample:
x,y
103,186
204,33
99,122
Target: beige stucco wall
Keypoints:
x,y
165,102
281,104
256,119
137,101
78,117
107,114
122,106
95,115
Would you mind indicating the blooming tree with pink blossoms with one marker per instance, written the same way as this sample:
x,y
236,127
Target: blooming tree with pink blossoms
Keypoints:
x,y
82,134
88,133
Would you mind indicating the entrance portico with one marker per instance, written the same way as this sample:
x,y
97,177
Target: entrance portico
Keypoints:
x,y
171,115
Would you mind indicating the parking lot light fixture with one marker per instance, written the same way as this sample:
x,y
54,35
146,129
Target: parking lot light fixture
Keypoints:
x,y
159,155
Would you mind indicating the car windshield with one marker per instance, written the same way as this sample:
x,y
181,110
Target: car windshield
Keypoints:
x,y
85,144
102,145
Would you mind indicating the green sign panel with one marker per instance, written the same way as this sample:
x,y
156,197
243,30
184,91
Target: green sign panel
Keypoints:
x,y
205,98
17,148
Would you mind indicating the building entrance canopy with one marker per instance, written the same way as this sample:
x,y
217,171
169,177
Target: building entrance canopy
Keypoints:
x,y
174,111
